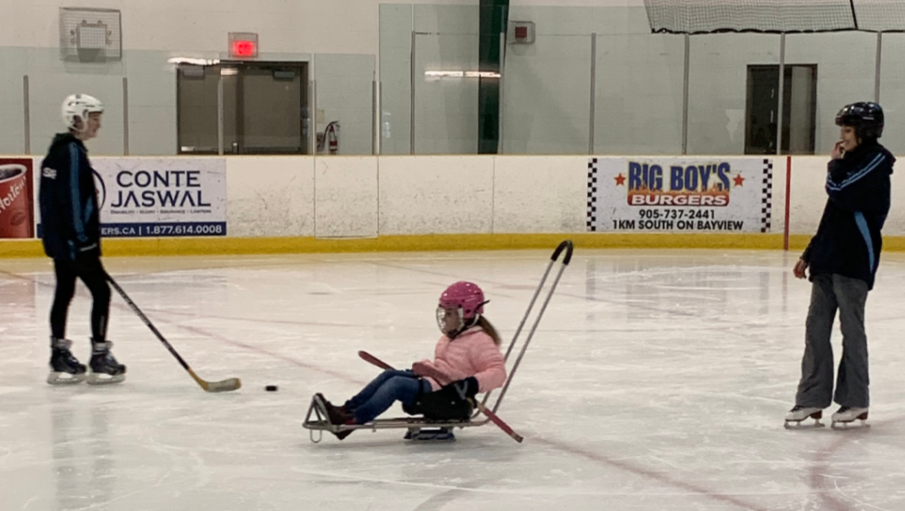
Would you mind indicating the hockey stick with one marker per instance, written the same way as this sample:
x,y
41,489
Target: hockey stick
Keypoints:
x,y
214,386
367,357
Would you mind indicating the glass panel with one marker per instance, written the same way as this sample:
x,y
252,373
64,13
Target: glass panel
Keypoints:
x,y
639,94
197,107
801,103
546,96
13,62
892,90
446,94
231,118
345,96
395,78
762,109
153,124
846,68
445,81
718,74
271,101
51,81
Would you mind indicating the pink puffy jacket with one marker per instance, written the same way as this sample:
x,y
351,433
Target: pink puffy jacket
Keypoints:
x,y
472,353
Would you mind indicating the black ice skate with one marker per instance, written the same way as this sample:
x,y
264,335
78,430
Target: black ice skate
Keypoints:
x,y
65,369
798,414
104,368
847,416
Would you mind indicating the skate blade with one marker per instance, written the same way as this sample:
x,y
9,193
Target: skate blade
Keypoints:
x,y
798,424
430,436
105,379
65,378
855,424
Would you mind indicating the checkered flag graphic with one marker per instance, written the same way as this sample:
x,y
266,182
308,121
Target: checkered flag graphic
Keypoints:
x,y
767,196
592,195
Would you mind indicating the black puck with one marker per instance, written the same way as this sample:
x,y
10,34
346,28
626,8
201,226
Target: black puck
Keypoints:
x,y
271,388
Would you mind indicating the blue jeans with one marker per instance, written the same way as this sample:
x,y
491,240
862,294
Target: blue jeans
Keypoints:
x,y
380,394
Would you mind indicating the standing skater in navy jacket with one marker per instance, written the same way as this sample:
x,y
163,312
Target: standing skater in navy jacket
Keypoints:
x,y
842,258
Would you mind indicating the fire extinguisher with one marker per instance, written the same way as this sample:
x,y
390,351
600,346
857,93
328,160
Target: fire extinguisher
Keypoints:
x,y
331,134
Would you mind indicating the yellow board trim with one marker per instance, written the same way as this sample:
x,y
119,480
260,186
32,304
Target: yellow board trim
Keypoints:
x,y
425,243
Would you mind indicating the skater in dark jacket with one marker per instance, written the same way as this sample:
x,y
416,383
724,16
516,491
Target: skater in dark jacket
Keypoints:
x,y
842,259
71,235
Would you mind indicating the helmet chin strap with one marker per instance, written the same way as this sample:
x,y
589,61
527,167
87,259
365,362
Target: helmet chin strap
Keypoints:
x,y
80,131
465,326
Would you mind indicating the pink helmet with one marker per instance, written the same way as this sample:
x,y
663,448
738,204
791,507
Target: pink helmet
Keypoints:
x,y
466,295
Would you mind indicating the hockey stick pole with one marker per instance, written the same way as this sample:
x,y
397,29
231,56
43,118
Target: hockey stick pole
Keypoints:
x,y
367,357
214,386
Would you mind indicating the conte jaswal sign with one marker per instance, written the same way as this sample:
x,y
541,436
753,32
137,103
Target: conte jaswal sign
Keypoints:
x,y
161,196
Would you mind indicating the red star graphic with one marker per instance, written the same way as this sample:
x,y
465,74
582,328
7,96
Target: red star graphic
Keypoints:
x,y
738,180
620,180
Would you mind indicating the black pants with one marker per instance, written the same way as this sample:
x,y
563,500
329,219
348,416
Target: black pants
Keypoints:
x,y
93,275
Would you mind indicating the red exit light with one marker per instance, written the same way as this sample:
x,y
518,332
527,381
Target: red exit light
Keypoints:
x,y
244,48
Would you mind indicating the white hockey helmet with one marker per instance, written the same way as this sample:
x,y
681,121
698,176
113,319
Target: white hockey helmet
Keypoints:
x,y
78,106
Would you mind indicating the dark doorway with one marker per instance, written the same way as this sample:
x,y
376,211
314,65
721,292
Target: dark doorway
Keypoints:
x,y
799,109
265,108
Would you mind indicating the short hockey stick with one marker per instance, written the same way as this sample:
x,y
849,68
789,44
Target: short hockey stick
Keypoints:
x,y
214,386
367,357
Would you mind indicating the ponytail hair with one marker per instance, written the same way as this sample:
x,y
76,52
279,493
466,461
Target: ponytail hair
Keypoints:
x,y
489,329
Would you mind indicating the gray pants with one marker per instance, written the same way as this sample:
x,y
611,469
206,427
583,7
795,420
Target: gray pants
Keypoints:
x,y
829,293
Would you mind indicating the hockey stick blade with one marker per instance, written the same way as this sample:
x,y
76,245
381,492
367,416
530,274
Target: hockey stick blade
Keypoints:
x,y
371,359
227,385
367,357
499,422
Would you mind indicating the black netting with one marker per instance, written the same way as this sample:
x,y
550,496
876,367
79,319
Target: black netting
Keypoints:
x,y
880,15
774,16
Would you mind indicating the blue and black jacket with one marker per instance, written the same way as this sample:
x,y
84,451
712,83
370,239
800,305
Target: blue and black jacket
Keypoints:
x,y
848,241
70,221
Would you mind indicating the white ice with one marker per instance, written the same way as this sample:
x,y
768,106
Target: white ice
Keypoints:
x,y
657,380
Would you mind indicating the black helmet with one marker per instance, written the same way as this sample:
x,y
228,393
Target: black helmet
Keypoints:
x,y
865,117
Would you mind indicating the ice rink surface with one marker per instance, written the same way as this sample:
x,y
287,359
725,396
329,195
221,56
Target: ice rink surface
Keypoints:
x,y
657,380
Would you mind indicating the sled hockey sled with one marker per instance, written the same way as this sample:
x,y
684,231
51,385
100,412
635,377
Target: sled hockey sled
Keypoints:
x,y
422,427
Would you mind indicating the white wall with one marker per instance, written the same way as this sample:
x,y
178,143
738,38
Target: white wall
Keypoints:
x,y
371,196
270,196
430,195
540,194
346,197
365,197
